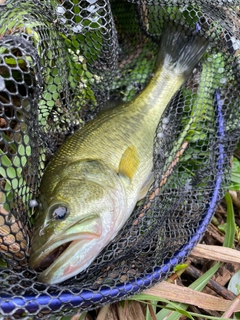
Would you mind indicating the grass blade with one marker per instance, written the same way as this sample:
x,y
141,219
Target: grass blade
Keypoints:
x,y
230,226
197,285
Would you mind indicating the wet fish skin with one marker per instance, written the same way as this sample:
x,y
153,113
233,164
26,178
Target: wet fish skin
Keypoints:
x,y
90,187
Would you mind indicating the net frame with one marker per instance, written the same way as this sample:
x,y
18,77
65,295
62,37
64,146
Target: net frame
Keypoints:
x,y
91,299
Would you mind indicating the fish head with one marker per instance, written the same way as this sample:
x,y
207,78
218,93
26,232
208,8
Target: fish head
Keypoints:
x,y
76,220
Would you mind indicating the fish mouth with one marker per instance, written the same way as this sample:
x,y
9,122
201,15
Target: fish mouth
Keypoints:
x,y
52,256
43,257
67,260
41,261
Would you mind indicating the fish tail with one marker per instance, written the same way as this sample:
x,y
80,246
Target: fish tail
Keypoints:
x,y
181,49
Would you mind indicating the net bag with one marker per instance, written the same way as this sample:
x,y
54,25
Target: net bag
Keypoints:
x,y
61,63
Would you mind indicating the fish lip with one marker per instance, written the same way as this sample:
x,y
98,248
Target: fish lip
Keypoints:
x,y
51,275
39,256
92,231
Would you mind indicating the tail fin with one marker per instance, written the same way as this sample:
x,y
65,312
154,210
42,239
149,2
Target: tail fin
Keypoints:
x,y
181,49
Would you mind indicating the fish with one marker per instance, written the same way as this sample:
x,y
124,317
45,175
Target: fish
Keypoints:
x,y
91,185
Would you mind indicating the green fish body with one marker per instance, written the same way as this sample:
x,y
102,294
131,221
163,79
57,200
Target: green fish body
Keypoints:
x,y
91,185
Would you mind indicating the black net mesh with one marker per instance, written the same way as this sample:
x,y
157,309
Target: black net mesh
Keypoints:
x,y
61,62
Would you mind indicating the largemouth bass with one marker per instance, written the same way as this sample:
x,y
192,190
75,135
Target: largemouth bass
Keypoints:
x,y
91,185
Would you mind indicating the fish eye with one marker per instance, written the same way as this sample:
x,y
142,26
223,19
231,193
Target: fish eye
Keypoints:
x,y
59,212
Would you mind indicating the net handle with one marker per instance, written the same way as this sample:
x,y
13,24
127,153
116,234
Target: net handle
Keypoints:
x,y
35,303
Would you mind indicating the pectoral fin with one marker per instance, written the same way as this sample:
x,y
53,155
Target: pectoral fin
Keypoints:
x,y
129,163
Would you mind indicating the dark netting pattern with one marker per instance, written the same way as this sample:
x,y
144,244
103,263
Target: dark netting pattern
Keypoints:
x,y
61,62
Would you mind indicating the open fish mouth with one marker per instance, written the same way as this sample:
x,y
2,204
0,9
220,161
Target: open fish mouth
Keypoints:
x,y
52,256
68,259
51,253
62,247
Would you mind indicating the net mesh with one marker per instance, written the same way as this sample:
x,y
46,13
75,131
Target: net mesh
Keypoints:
x,y
61,62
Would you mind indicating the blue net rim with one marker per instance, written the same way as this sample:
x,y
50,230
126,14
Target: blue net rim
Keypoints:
x,y
35,303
